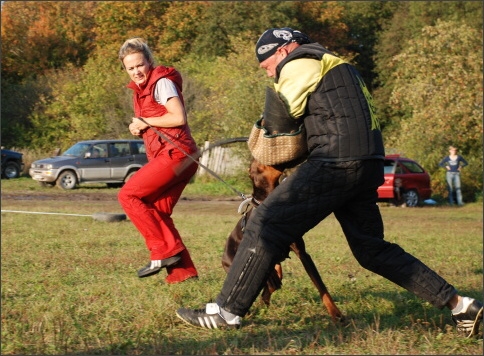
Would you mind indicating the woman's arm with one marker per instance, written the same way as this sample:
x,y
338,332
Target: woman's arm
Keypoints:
x,y
175,116
444,161
463,161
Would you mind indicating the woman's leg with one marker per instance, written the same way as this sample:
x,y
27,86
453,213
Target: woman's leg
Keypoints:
x,y
458,191
148,199
185,268
450,184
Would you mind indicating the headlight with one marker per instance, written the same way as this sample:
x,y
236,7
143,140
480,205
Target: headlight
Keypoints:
x,y
41,166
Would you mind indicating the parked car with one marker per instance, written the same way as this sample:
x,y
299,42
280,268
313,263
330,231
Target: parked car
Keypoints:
x,y
12,164
96,161
407,175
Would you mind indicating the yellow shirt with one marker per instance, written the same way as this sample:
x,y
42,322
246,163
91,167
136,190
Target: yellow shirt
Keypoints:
x,y
299,78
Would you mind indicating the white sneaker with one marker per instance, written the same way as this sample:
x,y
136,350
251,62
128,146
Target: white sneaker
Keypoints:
x,y
210,317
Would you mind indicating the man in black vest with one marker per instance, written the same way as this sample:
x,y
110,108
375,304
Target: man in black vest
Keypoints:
x,y
343,170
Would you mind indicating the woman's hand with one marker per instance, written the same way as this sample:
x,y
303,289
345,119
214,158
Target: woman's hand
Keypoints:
x,y
133,128
137,127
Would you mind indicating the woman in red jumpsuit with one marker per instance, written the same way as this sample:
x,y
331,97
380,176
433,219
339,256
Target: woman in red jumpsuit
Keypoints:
x,y
149,197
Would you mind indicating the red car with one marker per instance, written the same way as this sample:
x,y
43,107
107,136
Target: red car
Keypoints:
x,y
406,182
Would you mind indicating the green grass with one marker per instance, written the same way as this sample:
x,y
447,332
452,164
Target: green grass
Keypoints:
x,y
202,186
69,284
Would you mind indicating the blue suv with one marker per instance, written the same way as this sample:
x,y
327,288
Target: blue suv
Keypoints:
x,y
12,164
112,162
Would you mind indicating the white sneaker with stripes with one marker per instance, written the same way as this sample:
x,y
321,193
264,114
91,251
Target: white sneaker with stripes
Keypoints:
x,y
469,319
209,318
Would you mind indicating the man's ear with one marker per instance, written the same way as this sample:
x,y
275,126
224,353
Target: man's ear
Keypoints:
x,y
283,51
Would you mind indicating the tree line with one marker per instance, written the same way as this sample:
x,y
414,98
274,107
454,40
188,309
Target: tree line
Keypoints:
x,y
422,61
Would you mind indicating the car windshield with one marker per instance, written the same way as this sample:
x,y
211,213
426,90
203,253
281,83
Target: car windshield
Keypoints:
x,y
77,150
413,167
389,166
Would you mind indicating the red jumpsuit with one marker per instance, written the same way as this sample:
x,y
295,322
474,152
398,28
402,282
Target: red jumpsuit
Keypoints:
x,y
149,197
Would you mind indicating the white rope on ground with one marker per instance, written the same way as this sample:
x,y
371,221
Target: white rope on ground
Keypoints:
x,y
38,212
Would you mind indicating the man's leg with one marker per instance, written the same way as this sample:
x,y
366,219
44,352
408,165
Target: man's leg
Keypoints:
x,y
362,225
295,206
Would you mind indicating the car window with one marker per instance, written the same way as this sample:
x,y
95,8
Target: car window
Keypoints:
x,y
77,150
389,166
412,167
119,149
138,147
99,150
399,169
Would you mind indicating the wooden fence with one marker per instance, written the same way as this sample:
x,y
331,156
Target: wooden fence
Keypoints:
x,y
221,160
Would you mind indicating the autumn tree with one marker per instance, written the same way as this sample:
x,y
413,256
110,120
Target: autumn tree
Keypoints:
x,y
38,37
365,21
225,108
116,21
323,22
408,19
438,90
87,103
42,35
225,87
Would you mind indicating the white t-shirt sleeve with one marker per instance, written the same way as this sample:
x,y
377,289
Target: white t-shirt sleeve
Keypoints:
x,y
164,90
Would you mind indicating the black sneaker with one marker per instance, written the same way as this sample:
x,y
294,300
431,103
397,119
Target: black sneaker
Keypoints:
x,y
147,271
209,318
470,318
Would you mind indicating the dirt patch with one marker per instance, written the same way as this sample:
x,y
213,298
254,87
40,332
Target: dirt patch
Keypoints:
x,y
43,196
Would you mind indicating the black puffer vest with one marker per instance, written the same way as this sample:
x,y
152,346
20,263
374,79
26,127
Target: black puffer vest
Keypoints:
x,y
340,119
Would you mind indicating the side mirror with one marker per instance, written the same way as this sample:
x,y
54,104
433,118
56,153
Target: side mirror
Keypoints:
x,y
87,155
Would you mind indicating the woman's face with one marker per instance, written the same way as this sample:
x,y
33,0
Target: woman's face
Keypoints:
x,y
137,67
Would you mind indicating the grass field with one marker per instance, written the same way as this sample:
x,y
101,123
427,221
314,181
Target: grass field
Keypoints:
x,y
69,283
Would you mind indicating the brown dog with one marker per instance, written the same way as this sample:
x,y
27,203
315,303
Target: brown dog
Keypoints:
x,y
264,180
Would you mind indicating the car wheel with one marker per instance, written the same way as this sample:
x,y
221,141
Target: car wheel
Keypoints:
x,y
67,180
12,170
412,199
47,184
129,176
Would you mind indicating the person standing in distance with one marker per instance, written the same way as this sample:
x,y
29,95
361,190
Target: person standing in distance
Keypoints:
x,y
453,163
341,176
149,197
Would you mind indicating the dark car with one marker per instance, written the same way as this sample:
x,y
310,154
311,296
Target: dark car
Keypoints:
x,y
12,164
406,182
96,161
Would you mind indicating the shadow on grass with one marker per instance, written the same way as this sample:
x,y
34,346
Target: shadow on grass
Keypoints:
x,y
295,334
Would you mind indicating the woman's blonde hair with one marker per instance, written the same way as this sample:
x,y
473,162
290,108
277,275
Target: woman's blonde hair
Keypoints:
x,y
136,45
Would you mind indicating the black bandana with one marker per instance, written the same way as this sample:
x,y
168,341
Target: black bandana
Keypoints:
x,y
273,38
